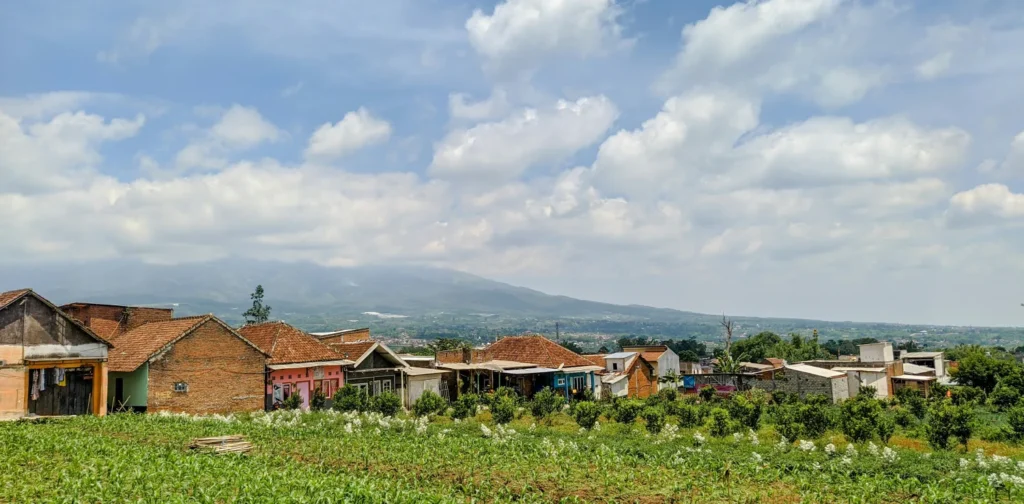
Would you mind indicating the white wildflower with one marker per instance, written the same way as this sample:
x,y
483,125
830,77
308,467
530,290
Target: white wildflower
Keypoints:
x,y
581,431
889,455
486,432
1020,465
846,460
670,431
757,457
830,449
782,445
533,427
873,448
1000,460
964,463
851,451
348,428
736,436
806,445
699,438
752,436
597,426
979,457
816,466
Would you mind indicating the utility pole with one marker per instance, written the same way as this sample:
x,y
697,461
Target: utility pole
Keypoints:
x,y
558,336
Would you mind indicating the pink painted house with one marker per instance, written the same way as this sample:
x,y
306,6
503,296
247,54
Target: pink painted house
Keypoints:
x,y
298,363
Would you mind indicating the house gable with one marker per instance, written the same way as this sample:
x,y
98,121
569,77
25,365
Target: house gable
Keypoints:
x,y
30,322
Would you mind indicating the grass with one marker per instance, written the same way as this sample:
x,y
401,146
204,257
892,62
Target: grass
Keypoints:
x,y
331,457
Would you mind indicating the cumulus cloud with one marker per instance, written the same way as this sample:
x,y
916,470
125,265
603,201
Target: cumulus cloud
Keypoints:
x,y
356,130
60,152
986,203
519,34
506,149
238,129
461,106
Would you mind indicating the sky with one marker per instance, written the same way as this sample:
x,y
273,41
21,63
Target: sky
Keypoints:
x,y
833,159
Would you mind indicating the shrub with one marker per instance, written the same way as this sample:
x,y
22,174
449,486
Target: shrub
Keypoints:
x,y
1004,397
429,404
867,391
745,411
627,411
787,421
387,403
545,403
814,417
668,395
719,424
707,393
886,427
655,418
506,392
967,395
586,414
465,406
318,401
689,414
1015,417
349,398
946,420
504,409
292,402
903,417
860,418
913,401
783,397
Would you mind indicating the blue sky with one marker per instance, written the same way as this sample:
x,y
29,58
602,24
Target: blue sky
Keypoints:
x,y
842,159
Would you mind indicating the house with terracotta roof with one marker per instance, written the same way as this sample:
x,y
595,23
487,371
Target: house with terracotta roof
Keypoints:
x,y
377,369
527,364
188,364
625,374
50,363
298,363
663,360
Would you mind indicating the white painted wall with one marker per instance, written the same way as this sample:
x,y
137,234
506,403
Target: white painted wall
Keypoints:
x,y
87,351
615,365
618,389
840,388
876,352
668,363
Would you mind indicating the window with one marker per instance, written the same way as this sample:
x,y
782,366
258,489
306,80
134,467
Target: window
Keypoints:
x,y
386,384
181,387
561,382
579,383
615,366
361,387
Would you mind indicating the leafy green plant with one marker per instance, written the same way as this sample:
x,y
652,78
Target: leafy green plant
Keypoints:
x,y
946,420
350,398
294,401
860,417
504,409
967,395
787,421
654,417
465,406
387,404
1004,397
745,410
627,411
719,423
545,403
1015,417
886,428
707,393
429,404
319,400
689,415
586,414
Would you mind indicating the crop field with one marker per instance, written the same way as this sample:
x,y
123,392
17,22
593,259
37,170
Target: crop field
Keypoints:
x,y
365,457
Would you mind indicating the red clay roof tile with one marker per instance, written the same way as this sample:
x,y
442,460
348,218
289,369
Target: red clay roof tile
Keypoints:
x,y
535,349
135,347
287,344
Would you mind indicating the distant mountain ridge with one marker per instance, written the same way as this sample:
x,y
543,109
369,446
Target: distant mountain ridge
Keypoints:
x,y
223,287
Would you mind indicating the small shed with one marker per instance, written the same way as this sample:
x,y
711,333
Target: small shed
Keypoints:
x,y
419,380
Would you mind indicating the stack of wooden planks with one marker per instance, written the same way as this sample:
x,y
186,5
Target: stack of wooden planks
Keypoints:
x,y
222,444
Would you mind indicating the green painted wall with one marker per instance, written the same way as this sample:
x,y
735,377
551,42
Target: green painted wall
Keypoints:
x,y
136,386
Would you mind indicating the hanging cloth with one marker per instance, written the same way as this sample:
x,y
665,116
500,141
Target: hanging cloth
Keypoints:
x,y
59,377
34,378
42,380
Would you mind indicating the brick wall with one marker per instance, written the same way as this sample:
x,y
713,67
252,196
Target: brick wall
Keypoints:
x,y
642,381
129,317
800,383
224,374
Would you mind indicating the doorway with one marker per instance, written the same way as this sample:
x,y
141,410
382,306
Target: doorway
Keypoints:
x,y
70,396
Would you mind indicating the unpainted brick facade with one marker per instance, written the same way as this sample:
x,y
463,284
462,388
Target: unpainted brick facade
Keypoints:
x,y
127,317
223,374
642,380
804,384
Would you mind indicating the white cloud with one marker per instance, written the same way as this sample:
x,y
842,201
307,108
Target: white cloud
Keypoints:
x,y
507,148
986,203
292,90
519,34
356,130
935,66
56,153
237,129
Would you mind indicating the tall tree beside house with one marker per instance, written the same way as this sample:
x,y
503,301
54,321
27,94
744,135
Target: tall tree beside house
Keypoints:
x,y
573,346
259,312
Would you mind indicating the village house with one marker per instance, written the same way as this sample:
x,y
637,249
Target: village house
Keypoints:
x,y
189,364
663,360
50,363
935,361
625,374
877,367
376,369
527,364
298,363
804,379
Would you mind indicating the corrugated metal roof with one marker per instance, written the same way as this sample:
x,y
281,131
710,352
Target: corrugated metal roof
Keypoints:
x,y
914,378
817,371
416,371
920,355
868,369
533,370
620,355
915,369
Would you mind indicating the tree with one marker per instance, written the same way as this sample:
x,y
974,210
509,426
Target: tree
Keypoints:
x,y
443,344
980,367
727,362
259,313
688,356
756,347
572,346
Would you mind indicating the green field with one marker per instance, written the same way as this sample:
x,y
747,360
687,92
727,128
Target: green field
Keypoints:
x,y
349,457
